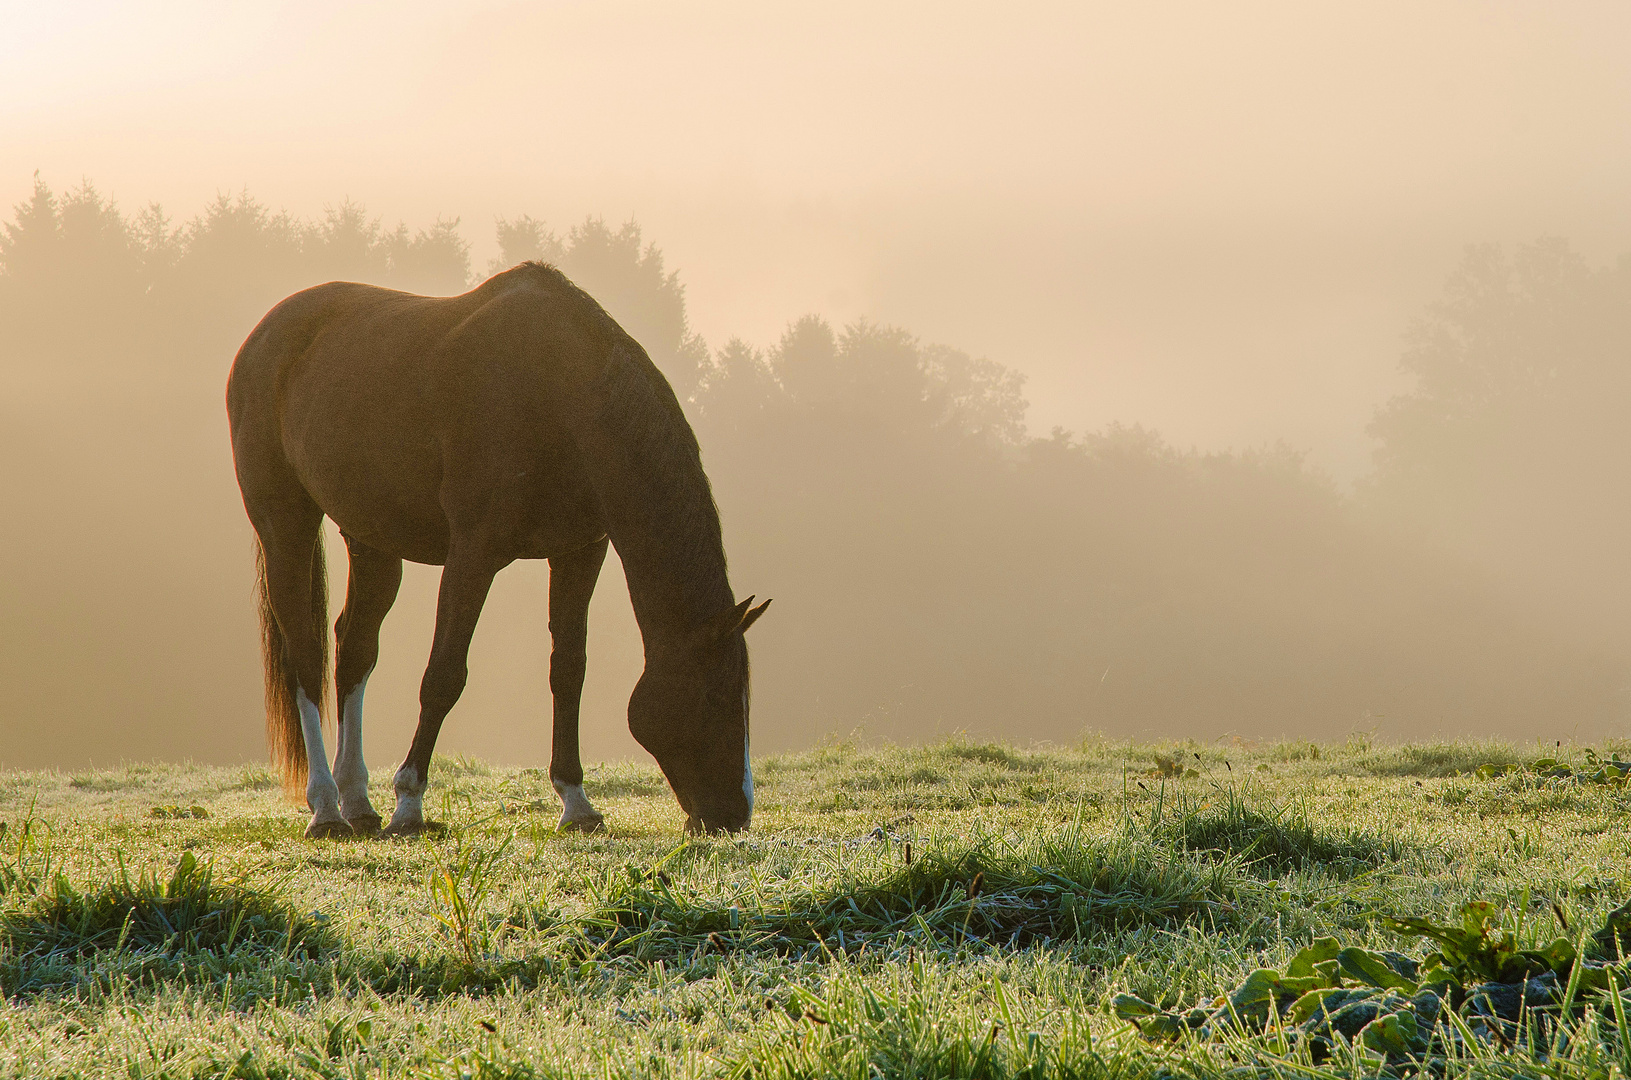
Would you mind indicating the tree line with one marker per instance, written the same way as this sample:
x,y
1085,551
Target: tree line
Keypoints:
x,y
936,565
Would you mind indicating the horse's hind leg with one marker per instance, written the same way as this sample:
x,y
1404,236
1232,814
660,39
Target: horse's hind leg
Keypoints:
x,y
291,544
571,583
371,589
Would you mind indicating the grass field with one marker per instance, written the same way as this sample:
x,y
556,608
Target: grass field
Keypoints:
x,y
954,910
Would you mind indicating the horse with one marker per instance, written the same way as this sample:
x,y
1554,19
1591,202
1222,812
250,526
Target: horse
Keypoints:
x,y
515,421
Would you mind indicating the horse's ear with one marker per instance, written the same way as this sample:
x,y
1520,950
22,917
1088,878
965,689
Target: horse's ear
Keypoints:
x,y
722,625
736,620
753,616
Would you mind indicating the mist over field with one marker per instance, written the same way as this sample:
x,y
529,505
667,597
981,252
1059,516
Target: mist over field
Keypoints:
x,y
1160,374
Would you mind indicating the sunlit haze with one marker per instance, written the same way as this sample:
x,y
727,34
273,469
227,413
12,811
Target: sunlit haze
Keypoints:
x,y
1212,219
1217,222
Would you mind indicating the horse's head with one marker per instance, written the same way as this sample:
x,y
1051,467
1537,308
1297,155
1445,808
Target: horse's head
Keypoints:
x,y
690,709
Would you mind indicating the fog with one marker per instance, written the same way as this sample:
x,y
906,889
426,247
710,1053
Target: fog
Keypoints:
x,y
1216,243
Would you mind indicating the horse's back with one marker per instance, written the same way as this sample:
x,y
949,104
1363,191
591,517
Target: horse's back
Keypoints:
x,y
375,400
515,329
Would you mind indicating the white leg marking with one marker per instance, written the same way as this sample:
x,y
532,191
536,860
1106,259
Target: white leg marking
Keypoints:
x,y
576,809
747,759
322,796
410,799
350,770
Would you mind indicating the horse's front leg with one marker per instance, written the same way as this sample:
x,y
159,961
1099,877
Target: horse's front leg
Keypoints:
x,y
572,580
465,581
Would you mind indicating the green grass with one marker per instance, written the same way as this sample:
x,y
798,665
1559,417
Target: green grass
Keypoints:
x,y
1051,887
1041,883
1273,839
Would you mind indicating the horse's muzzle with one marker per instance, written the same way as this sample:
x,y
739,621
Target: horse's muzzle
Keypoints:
x,y
695,826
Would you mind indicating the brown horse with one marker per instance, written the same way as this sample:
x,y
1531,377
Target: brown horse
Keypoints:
x,y
517,421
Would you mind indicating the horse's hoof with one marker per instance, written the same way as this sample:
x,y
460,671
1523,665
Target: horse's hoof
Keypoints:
x,y
365,824
328,830
595,824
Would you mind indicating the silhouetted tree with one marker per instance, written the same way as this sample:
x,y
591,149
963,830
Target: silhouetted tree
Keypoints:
x,y
69,262
80,238
738,388
876,377
348,245
236,260
31,251
525,239
158,244
806,361
1512,447
977,397
143,283
434,261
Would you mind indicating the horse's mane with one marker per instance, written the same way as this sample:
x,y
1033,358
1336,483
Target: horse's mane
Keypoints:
x,y
639,409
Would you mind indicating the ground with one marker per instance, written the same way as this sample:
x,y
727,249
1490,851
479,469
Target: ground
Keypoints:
x,y
959,909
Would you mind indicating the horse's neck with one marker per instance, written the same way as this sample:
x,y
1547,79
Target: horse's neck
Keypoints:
x,y
660,513
670,594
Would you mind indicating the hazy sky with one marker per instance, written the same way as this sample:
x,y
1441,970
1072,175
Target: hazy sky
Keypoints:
x,y
1211,218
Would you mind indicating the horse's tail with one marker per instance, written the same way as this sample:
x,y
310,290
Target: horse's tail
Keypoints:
x,y
284,736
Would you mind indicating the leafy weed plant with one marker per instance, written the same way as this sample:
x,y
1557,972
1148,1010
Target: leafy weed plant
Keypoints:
x,y
460,888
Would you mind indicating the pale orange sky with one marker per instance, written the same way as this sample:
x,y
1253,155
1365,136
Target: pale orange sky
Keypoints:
x,y
1214,219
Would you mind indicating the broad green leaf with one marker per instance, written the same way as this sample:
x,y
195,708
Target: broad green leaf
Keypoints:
x,y
1161,1026
1307,1005
1321,949
1593,978
1255,997
1436,975
1372,970
1615,934
1477,916
1559,954
1131,1006
1393,1034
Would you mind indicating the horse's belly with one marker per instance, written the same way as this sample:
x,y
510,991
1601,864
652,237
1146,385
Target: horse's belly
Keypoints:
x,y
412,509
562,524
376,508
420,541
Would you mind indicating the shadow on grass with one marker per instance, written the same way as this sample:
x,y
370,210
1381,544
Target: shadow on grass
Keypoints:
x,y
1273,840
249,830
181,928
990,894
986,754
1432,759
